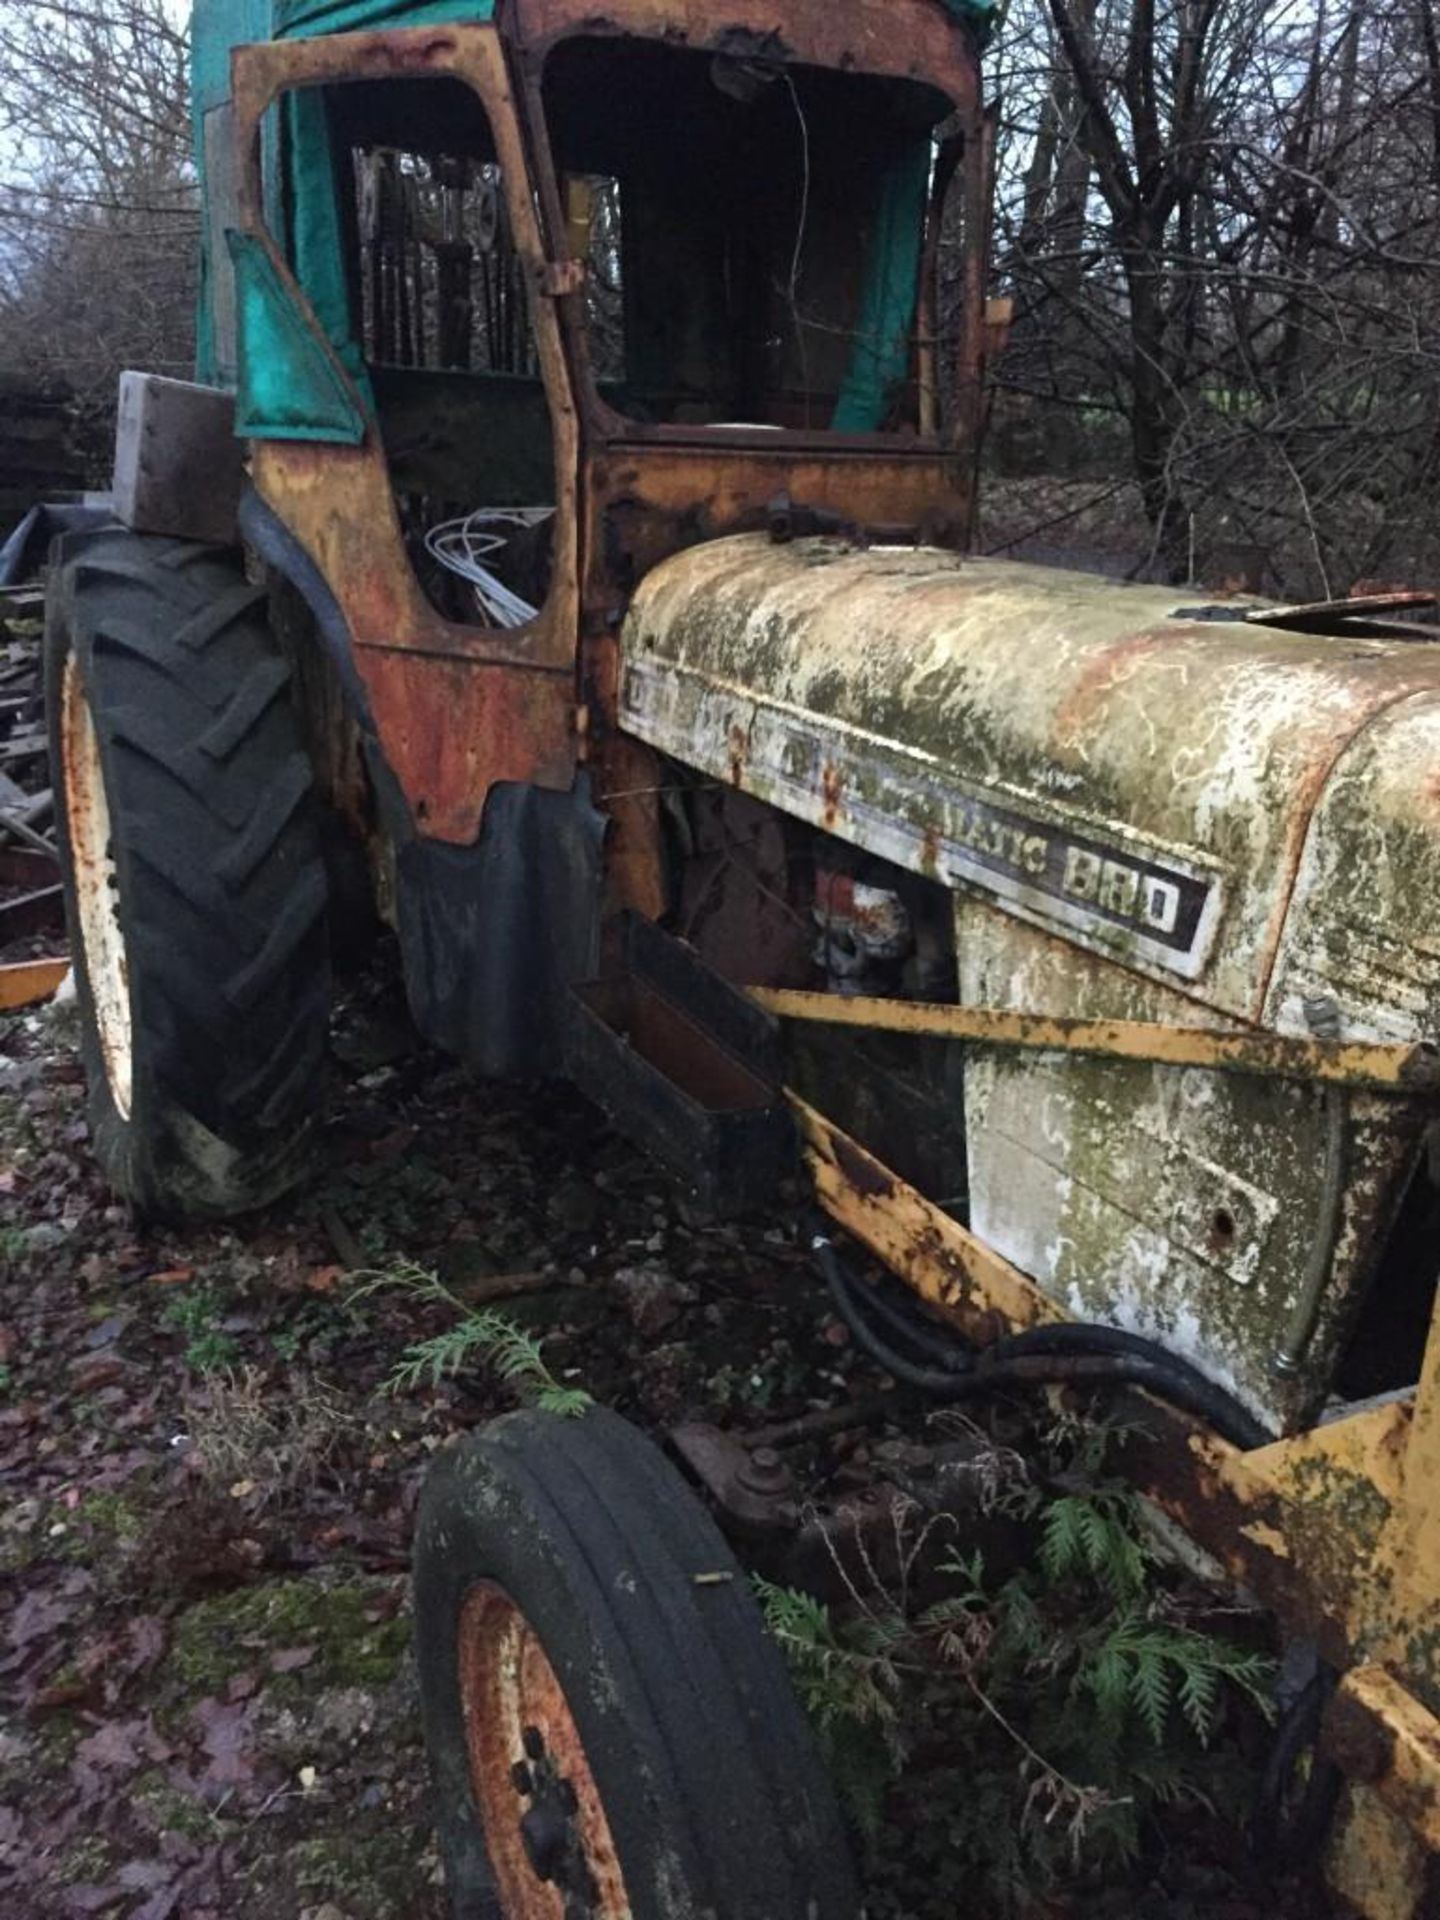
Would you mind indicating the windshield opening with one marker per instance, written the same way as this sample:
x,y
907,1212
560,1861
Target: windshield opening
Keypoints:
x,y
753,234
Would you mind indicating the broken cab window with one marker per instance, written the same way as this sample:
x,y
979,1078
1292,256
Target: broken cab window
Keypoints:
x,y
400,235
754,234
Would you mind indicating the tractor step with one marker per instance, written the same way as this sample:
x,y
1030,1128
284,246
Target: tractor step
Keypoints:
x,y
685,1065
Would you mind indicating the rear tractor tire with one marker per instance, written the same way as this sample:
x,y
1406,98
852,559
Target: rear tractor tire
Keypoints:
x,y
195,890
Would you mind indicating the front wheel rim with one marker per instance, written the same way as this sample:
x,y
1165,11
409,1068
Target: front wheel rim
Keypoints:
x,y
96,886
546,1832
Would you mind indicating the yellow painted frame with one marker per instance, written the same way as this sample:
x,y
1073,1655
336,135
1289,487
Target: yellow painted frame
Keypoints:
x,y
1337,1529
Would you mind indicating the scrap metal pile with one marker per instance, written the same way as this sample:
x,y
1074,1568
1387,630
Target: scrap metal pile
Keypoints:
x,y
32,920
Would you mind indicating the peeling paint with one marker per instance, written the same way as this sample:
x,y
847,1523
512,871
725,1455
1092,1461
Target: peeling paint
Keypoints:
x,y
1121,800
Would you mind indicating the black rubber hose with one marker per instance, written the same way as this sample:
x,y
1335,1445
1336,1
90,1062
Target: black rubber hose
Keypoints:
x,y
927,1339
1293,1810
941,1384
1043,1355
1178,1385
1076,1339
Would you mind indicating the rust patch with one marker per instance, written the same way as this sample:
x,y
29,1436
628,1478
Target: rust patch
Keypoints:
x,y
546,1831
739,753
1167,1457
451,728
1355,1740
831,786
957,1284
1095,686
865,1175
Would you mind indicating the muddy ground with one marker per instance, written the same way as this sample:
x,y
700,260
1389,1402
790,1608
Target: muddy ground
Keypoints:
x,y
208,1489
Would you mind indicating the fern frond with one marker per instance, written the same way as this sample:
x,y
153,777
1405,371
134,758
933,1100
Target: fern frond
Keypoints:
x,y
400,1275
968,1570
1106,1678
433,1360
489,1337
566,1403
1062,1546
850,1676
1150,1687
952,1611
1252,1673
1199,1695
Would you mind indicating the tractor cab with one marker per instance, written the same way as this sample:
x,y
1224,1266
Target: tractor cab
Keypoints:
x,y
559,293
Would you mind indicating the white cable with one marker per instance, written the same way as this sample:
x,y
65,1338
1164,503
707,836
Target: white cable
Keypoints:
x,y
462,546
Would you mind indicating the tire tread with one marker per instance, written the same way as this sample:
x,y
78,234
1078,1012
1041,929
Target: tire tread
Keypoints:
x,y
222,888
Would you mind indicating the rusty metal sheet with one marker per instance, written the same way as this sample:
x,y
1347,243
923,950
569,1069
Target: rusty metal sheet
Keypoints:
x,y
909,39
1200,1208
1213,1212
1408,1557
451,728
1380,1734
646,501
1376,1865
1360,934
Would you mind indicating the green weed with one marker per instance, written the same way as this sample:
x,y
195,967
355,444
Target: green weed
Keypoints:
x,y
1081,1695
197,1312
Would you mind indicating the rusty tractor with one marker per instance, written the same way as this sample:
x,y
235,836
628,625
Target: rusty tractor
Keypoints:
x,y
564,548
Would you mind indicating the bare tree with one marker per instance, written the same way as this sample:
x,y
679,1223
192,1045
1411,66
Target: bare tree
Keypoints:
x,y
1241,273
98,217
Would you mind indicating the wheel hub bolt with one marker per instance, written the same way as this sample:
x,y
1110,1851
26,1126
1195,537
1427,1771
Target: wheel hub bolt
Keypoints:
x,y
764,1471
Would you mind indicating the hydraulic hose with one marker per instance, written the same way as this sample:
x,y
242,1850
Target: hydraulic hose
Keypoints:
x,y
1295,1803
1070,1352
923,1337
1082,1338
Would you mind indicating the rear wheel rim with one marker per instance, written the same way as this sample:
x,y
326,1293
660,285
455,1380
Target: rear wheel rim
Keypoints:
x,y
102,939
549,1841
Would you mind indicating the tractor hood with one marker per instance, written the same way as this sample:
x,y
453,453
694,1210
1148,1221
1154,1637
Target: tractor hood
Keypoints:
x,y
1248,815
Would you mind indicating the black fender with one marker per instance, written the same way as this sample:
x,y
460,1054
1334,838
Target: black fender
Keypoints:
x,y
493,934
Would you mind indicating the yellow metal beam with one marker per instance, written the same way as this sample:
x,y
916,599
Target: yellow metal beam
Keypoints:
x,y
1381,1735
1408,1560
1391,1069
941,1260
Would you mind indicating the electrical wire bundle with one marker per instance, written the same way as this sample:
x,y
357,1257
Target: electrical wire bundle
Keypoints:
x,y
462,547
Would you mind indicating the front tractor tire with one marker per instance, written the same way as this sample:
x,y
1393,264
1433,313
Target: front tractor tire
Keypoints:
x,y
612,1732
194,883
